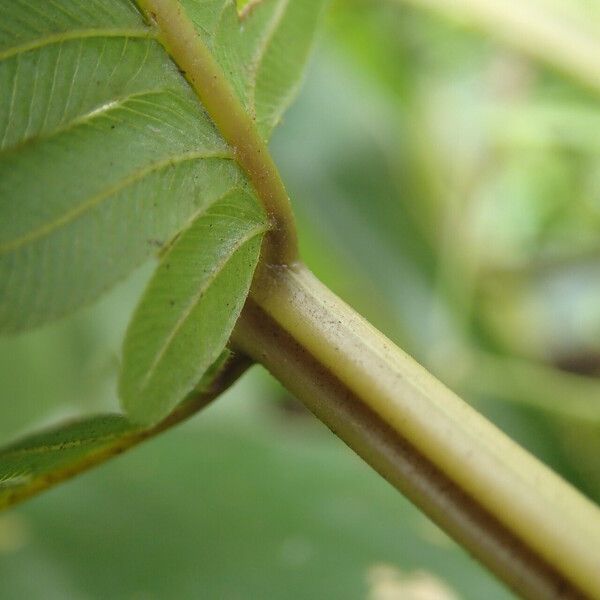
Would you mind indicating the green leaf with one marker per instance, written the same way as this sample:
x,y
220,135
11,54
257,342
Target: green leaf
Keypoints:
x,y
105,150
262,50
43,459
190,306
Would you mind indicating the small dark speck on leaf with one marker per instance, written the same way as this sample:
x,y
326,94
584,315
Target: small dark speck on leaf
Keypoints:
x,y
171,302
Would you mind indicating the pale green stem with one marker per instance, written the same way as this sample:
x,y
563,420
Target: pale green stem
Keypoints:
x,y
533,29
529,526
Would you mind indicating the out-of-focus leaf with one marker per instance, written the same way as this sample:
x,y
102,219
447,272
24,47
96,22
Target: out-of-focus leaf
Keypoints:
x,y
44,459
190,306
105,151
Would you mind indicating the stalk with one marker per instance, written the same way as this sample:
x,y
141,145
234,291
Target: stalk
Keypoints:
x,y
541,32
196,62
526,524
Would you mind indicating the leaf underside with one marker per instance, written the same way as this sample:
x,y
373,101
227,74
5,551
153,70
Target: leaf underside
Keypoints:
x,y
106,154
190,307
105,151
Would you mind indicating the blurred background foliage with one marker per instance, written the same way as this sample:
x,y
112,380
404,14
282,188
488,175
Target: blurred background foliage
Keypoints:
x,y
445,170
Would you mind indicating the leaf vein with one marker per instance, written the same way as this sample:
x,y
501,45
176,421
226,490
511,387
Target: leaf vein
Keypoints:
x,y
217,268
100,111
76,34
43,449
78,211
12,103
